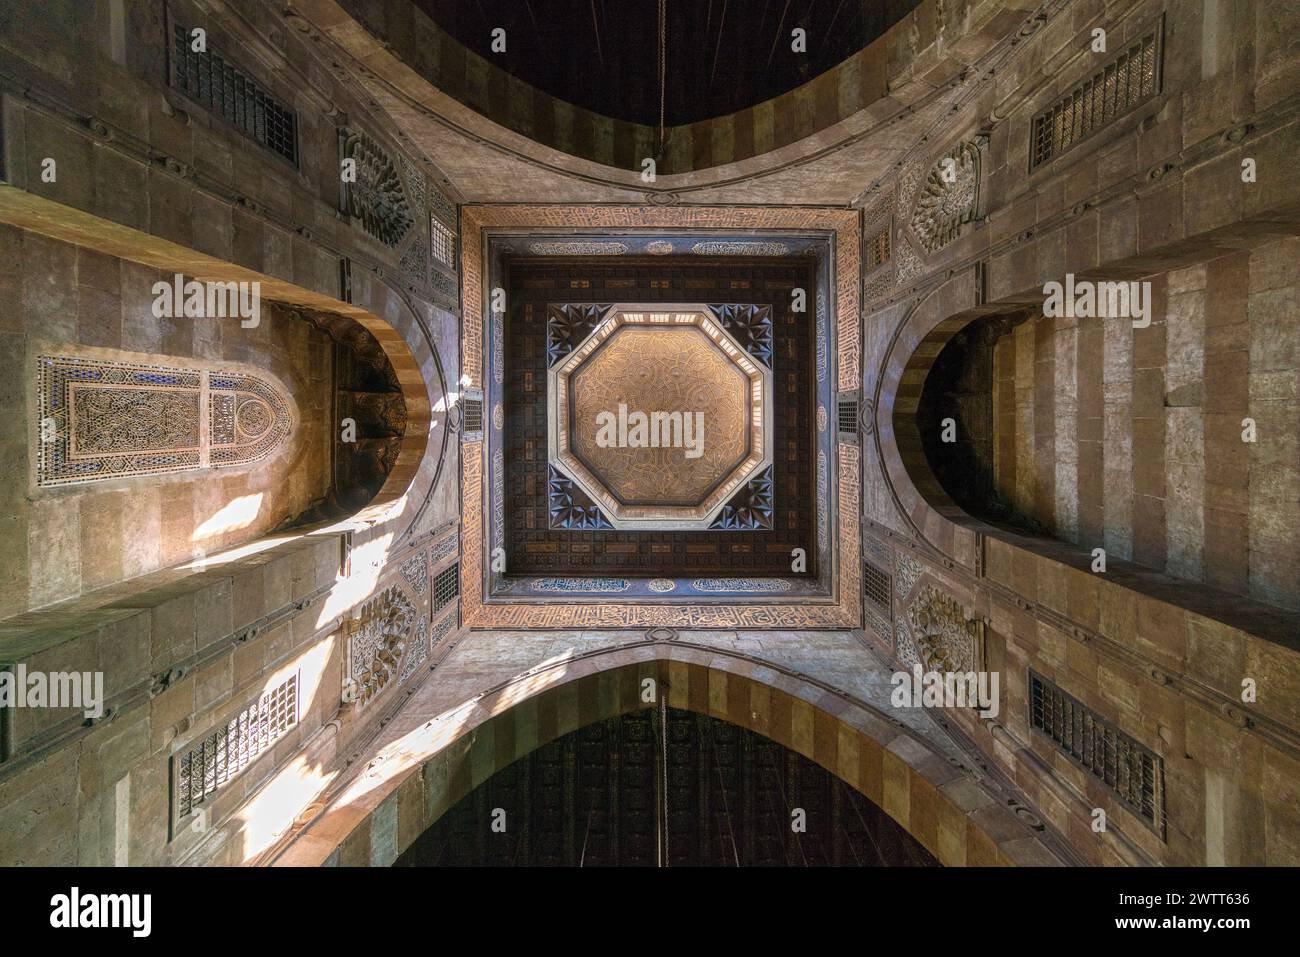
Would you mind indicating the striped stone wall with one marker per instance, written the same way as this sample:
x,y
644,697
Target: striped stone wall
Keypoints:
x,y
1131,439
927,48
952,815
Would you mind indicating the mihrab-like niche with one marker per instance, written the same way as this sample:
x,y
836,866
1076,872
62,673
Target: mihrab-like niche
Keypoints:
x,y
102,419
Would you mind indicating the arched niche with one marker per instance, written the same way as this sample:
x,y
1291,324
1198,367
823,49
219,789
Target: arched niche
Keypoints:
x,y
142,461
924,330
399,334
409,783
106,415
1009,550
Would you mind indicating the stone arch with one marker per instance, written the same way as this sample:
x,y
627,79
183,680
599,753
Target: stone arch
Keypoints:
x,y
427,389
410,783
555,136
1009,558
375,305
404,332
927,326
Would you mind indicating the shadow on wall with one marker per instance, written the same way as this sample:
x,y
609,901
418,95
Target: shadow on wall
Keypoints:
x,y
1163,441
958,426
202,438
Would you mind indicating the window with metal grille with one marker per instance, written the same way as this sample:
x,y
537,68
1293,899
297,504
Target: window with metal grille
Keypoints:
x,y
472,418
1133,772
876,586
446,587
442,243
211,81
878,249
222,754
1120,86
847,414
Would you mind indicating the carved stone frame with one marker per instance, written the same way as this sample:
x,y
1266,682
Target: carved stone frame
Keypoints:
x,y
836,236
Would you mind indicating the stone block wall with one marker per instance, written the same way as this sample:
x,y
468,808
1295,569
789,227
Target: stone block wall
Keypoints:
x,y
1131,439
174,665
73,301
149,182
1230,785
1114,436
1168,679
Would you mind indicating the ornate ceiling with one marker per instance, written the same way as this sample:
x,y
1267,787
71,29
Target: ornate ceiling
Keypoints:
x,y
660,416
574,506
721,57
782,285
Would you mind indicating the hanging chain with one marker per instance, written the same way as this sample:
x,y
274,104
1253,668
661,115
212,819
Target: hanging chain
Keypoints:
x,y
663,744
712,752
663,67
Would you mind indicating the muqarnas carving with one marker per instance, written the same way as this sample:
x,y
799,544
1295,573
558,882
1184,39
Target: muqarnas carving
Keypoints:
x,y
377,644
749,325
942,638
376,197
101,419
752,508
419,653
949,198
567,324
569,506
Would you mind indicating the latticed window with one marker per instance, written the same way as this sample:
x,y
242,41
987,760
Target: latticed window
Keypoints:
x,y
876,586
222,754
210,80
878,248
442,243
472,422
446,587
1117,88
847,414
1132,772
